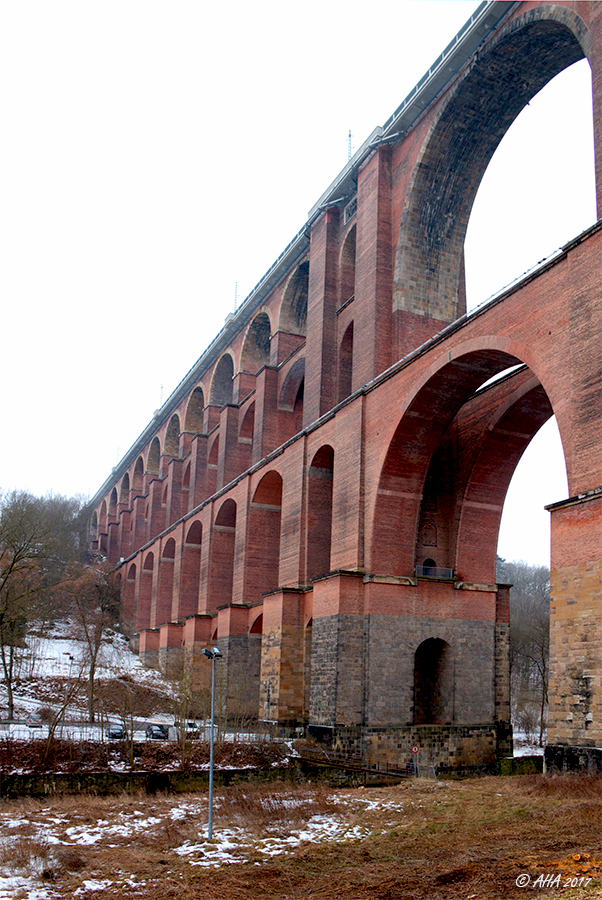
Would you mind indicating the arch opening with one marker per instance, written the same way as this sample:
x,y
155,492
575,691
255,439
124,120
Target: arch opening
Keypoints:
x,y
433,683
346,363
257,626
145,593
530,204
193,420
319,512
154,457
221,556
291,401
263,566
256,348
222,386
347,268
503,79
138,480
165,583
172,437
447,471
293,313
188,594
247,428
124,491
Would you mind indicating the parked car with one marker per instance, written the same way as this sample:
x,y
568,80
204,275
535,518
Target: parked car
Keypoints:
x,y
189,729
116,732
157,732
34,721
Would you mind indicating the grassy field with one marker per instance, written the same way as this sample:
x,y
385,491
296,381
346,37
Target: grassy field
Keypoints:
x,y
469,838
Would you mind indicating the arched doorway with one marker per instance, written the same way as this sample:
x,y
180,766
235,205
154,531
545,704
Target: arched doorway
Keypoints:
x,y
433,683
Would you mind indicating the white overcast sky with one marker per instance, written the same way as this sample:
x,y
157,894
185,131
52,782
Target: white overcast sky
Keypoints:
x,y
156,155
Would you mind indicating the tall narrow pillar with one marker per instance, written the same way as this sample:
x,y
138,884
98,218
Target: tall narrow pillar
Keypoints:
x,y
575,688
320,360
373,270
595,60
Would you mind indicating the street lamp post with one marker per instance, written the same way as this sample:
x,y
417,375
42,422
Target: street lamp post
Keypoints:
x,y
212,654
67,686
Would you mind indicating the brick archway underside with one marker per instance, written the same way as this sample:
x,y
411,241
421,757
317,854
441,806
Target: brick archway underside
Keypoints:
x,y
448,469
458,148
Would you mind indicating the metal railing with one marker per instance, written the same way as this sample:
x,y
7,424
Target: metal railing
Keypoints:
x,y
356,763
434,572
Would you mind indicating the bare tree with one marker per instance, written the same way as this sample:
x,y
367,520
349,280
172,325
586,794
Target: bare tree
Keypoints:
x,y
94,593
529,642
38,535
126,698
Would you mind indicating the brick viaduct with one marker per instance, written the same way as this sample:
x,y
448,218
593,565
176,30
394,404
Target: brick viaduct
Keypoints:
x,y
321,495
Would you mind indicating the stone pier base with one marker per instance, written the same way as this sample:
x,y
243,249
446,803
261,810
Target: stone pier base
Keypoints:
x,y
449,748
577,760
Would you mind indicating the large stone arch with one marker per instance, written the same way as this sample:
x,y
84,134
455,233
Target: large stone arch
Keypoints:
x,y
291,400
498,84
172,436
193,420
124,490
444,460
256,347
292,382
153,461
470,472
102,521
221,385
247,426
293,311
345,372
138,478
347,267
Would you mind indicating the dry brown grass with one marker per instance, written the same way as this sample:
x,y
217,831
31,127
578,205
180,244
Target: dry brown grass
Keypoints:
x,y
468,839
276,809
24,852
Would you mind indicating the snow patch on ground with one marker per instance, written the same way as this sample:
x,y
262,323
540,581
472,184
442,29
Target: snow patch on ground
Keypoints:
x,y
229,845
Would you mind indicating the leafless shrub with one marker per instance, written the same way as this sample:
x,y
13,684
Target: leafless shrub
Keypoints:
x,y
274,807
24,852
69,859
